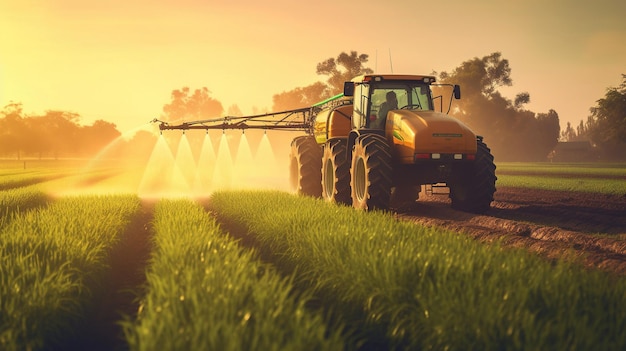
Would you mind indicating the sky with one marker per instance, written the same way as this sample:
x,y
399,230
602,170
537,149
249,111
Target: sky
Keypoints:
x,y
119,60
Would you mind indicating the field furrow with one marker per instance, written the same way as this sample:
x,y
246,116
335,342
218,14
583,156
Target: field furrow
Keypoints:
x,y
123,282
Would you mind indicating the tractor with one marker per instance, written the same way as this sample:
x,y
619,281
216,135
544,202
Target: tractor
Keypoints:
x,y
364,154
378,145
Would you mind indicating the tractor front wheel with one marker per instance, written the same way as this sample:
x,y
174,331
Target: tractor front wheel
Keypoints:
x,y
473,192
371,173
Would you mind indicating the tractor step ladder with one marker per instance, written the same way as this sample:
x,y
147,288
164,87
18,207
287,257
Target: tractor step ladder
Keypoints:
x,y
436,189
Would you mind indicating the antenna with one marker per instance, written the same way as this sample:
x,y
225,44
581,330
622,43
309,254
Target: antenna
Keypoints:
x,y
376,62
390,62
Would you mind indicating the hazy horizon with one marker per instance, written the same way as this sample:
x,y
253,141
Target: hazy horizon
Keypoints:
x,y
119,61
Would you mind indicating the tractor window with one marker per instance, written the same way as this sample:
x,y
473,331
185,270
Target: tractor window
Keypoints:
x,y
409,95
362,104
379,96
419,98
380,106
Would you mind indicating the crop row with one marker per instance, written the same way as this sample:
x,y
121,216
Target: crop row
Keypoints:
x,y
12,181
600,170
53,259
20,199
399,285
586,185
204,292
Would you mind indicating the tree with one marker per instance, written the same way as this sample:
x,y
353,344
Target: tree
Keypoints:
x,y
579,134
607,123
342,69
339,70
197,106
498,73
234,110
568,134
39,135
582,131
512,132
12,130
480,79
139,147
63,130
97,136
521,99
299,97
547,130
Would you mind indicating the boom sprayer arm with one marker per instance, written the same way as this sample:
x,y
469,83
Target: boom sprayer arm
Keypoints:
x,y
300,119
294,120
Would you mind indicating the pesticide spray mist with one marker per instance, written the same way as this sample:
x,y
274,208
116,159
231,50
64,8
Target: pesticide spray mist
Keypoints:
x,y
201,164
191,164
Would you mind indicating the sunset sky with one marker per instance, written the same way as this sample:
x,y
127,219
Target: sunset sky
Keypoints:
x,y
119,60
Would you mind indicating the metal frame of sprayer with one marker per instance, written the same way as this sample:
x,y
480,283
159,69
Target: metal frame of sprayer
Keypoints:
x,y
291,120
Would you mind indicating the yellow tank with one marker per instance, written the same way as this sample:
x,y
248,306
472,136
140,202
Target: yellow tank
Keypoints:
x,y
332,123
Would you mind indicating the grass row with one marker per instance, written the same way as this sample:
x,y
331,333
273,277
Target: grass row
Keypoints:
x,y
602,178
399,285
16,178
204,292
20,199
585,185
581,169
53,260
13,181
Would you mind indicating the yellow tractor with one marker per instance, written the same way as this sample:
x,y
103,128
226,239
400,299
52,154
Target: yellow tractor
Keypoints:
x,y
382,140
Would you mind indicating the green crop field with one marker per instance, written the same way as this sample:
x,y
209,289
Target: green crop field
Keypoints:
x,y
266,270
591,178
577,169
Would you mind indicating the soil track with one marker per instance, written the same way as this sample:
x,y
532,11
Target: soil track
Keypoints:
x,y
118,297
555,224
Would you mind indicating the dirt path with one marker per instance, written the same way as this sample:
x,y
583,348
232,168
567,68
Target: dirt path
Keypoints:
x,y
552,223
118,296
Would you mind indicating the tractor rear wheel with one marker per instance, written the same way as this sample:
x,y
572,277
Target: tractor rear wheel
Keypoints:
x,y
473,192
305,166
336,172
371,173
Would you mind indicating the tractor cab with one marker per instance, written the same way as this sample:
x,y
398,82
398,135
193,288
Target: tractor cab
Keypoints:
x,y
376,95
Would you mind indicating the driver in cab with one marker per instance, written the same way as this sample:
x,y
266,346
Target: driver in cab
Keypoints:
x,y
391,103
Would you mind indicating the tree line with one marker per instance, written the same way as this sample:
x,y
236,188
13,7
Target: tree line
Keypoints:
x,y
51,135
513,132
606,125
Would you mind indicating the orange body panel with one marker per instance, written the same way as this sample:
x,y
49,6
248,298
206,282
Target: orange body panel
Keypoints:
x,y
411,132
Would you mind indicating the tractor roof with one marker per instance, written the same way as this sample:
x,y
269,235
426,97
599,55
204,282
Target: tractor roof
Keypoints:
x,y
381,77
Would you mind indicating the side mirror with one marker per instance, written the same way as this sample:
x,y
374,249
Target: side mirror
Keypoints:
x,y
457,91
348,89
